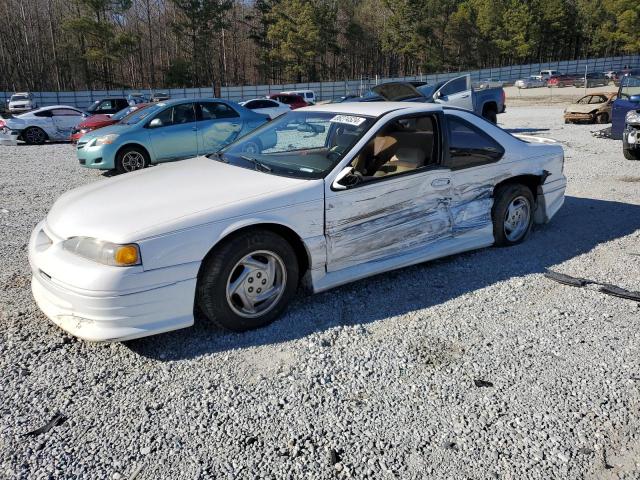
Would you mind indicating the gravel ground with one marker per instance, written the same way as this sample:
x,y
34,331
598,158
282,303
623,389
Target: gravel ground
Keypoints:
x,y
379,379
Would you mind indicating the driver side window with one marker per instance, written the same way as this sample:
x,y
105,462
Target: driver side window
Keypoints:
x,y
402,146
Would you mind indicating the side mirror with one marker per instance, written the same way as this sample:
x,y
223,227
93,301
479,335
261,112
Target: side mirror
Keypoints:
x,y
336,185
634,98
437,95
155,123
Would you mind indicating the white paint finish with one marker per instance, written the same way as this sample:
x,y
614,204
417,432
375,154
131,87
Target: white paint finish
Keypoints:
x,y
173,197
277,108
384,218
190,206
57,128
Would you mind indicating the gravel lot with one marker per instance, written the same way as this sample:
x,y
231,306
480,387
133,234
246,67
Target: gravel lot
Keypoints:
x,y
372,380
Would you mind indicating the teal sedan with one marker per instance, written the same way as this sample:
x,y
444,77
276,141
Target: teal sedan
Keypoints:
x,y
167,131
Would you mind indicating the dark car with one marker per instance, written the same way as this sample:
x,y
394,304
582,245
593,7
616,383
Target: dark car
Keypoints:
x,y
294,101
107,106
591,80
628,99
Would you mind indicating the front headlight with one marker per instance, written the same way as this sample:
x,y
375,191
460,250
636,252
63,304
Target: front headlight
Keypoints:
x,y
106,139
632,117
106,253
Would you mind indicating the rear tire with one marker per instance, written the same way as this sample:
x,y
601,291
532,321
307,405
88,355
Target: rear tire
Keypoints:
x,y
231,276
631,154
491,115
512,214
34,136
130,159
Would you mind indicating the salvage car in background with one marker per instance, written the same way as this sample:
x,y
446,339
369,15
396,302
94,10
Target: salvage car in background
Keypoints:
x,y
266,106
561,81
53,123
21,102
533,81
628,99
166,131
457,92
294,101
631,136
595,107
337,193
107,106
591,80
94,122
308,96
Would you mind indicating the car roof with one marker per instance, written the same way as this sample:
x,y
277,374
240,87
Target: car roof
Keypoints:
x,y
51,107
178,101
373,109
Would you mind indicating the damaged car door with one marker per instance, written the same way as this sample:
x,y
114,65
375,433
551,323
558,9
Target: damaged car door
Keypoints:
x,y
456,92
393,197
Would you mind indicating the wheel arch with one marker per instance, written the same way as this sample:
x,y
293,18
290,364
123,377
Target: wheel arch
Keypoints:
x,y
488,106
298,245
531,181
133,144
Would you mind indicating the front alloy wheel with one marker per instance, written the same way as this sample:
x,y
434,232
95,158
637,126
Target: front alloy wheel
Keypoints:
x,y
247,280
256,283
130,160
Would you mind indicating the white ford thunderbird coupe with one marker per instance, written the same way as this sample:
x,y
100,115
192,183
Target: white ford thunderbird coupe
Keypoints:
x,y
319,197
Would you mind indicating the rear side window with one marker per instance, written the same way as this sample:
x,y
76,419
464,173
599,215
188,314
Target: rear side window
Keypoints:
x,y
43,113
215,111
65,112
469,146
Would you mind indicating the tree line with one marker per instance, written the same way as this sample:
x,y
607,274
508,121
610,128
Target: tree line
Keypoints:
x,y
97,44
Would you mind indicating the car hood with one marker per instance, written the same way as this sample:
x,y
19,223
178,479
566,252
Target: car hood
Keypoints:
x,y
397,91
583,108
171,197
96,121
116,128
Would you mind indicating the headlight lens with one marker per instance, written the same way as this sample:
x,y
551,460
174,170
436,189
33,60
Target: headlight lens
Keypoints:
x,y
106,253
106,139
632,117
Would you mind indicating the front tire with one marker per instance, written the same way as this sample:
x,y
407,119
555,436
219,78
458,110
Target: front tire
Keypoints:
x,y
130,159
34,136
247,281
631,154
602,118
512,214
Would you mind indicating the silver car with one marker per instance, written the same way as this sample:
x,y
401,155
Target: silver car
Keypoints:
x,y
534,81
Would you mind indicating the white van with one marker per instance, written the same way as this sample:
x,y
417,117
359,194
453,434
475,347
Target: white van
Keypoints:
x,y
546,74
309,96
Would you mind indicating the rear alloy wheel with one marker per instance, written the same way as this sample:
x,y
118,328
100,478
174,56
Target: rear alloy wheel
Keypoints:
x,y
130,159
247,281
34,136
602,118
512,214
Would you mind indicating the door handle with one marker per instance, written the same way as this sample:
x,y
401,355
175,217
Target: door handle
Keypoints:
x,y
440,182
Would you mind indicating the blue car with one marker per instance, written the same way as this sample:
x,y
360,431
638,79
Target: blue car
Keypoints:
x,y
628,99
167,131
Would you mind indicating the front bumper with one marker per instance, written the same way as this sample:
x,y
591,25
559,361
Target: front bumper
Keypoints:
x,y
631,138
101,157
579,117
113,304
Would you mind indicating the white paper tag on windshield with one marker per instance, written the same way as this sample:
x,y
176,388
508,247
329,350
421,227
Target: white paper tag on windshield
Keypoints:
x,y
349,119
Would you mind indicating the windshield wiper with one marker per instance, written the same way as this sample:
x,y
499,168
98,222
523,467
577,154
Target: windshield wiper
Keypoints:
x,y
218,156
257,163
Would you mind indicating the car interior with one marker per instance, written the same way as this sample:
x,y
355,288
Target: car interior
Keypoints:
x,y
402,146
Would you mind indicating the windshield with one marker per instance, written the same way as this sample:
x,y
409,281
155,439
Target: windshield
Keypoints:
x,y
629,86
19,97
298,144
125,112
142,113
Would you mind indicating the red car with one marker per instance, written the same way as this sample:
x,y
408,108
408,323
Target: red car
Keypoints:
x,y
561,80
95,122
294,101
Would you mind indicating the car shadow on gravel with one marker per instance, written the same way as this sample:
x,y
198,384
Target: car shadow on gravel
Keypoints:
x,y
581,225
